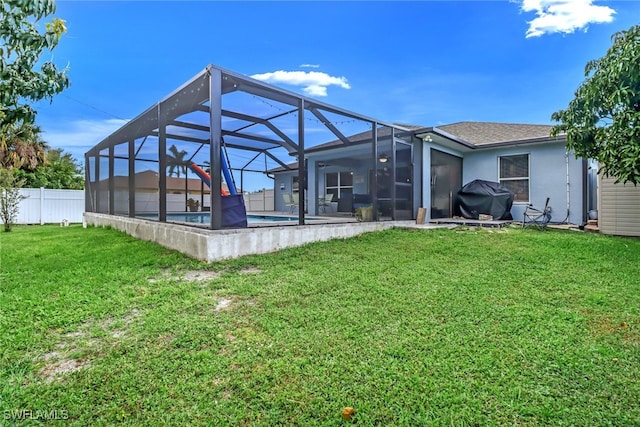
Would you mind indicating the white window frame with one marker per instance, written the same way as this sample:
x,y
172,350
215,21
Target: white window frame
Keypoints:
x,y
517,178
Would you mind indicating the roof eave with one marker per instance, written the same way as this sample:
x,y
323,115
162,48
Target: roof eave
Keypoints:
x,y
537,140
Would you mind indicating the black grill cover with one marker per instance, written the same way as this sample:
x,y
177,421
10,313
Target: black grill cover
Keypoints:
x,y
484,197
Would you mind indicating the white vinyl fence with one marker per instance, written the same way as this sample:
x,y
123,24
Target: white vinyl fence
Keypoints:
x,y
259,201
43,206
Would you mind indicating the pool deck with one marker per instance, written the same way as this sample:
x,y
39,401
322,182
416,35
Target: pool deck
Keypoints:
x,y
214,245
472,222
310,219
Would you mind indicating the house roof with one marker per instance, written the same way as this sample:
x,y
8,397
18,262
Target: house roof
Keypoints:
x,y
483,133
148,180
363,137
464,135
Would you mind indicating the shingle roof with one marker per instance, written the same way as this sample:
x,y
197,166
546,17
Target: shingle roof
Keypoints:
x,y
363,136
480,133
148,180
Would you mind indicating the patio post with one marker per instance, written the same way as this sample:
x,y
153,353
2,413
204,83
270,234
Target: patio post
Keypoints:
x,y
394,216
374,181
301,171
162,163
215,126
132,178
111,180
97,183
88,186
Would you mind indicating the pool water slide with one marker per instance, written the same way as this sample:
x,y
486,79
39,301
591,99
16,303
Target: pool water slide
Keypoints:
x,y
234,213
205,177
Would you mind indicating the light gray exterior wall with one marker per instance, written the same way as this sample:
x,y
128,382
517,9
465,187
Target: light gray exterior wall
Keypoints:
x,y
552,174
283,183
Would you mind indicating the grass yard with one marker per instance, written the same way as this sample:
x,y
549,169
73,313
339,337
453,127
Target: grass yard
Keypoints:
x,y
409,327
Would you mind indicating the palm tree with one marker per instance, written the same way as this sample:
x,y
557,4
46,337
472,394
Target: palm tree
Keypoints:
x,y
176,162
21,146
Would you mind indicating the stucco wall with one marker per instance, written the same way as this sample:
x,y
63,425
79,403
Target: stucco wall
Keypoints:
x,y
282,184
547,173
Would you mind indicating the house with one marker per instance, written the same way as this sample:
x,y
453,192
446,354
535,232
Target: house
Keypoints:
x,y
397,168
432,163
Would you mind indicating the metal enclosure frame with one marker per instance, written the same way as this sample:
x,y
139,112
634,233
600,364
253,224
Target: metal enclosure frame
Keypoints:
x,y
204,94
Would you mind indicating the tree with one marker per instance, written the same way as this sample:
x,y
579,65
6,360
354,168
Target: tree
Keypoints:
x,y
21,146
60,170
10,197
176,162
21,46
602,122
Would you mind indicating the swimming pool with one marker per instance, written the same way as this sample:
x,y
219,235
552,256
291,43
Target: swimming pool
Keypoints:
x,y
205,218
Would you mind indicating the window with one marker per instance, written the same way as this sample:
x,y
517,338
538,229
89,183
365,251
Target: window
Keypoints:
x,y
514,174
340,184
295,186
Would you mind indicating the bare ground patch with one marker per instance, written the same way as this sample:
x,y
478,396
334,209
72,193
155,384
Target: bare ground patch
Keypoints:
x,y
197,275
186,275
223,304
606,325
81,341
250,270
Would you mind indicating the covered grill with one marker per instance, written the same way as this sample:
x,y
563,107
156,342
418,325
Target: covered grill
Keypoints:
x,y
484,198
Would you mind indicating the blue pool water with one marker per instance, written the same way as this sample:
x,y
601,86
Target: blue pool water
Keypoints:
x,y
205,217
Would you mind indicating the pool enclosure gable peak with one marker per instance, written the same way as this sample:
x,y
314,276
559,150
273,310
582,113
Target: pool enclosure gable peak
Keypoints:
x,y
193,116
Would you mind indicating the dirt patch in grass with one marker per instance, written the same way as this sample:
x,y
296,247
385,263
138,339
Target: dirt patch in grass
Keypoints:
x,y
61,367
64,360
117,327
223,304
197,275
250,270
186,275
607,326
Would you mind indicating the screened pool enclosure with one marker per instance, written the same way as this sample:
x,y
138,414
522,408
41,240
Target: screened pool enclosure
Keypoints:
x,y
198,148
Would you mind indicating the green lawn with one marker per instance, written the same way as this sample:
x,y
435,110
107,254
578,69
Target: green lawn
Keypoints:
x,y
409,327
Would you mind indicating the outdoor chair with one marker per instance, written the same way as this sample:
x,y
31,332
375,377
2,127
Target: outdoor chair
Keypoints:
x,y
325,201
290,201
537,217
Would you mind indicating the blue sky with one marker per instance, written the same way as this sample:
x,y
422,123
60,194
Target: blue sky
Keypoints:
x,y
424,63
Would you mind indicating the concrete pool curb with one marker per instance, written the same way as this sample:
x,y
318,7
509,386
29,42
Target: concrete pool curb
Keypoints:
x,y
213,245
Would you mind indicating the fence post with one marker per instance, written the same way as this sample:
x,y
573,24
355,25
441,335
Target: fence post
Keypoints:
x,y
41,205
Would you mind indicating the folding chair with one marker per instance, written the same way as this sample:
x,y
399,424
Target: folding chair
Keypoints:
x,y
325,201
290,201
537,217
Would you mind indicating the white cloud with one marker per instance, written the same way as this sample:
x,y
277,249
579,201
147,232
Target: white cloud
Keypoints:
x,y
315,90
78,136
564,16
314,83
309,65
